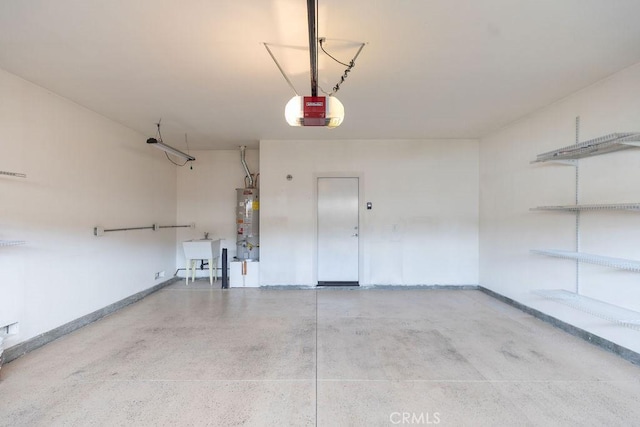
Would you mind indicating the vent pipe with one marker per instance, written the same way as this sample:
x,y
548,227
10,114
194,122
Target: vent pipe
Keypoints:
x,y
244,165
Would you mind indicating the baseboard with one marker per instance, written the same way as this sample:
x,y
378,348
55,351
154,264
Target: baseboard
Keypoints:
x,y
435,287
612,347
38,341
373,287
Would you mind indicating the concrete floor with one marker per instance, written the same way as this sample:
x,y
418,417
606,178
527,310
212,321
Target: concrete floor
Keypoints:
x,y
197,356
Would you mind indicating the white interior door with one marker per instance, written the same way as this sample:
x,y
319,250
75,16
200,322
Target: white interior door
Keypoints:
x,y
338,230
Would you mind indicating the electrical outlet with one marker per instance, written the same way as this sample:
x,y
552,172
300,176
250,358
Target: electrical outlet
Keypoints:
x,y
11,329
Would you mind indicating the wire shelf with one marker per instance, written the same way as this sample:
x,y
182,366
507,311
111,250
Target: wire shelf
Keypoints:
x,y
593,147
613,313
11,242
619,263
592,207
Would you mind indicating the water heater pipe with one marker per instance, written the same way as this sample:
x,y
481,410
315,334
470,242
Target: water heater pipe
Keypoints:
x,y
244,165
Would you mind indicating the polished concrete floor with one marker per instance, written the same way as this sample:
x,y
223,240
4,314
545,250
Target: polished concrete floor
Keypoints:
x,y
331,357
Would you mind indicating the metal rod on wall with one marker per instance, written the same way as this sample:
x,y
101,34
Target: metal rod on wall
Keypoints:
x,y
16,174
11,242
99,231
109,230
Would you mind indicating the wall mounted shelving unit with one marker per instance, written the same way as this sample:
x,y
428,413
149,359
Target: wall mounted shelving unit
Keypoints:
x,y
622,316
592,207
570,155
12,327
12,242
619,263
604,144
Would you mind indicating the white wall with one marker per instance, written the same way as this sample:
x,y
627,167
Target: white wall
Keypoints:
x,y
422,230
207,197
510,186
83,170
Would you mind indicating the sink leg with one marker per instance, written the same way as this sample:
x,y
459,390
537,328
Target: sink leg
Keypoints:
x,y
193,270
188,270
210,271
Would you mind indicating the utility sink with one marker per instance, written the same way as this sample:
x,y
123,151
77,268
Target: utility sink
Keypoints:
x,y
201,249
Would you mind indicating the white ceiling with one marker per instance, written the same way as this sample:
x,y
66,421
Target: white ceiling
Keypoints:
x,y
430,69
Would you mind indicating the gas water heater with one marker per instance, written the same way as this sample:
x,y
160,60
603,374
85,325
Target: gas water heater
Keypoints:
x,y
248,224
245,269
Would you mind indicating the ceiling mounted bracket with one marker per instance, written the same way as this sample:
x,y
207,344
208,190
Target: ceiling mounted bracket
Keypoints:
x,y
280,68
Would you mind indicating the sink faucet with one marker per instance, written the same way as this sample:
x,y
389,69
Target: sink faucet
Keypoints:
x,y
206,235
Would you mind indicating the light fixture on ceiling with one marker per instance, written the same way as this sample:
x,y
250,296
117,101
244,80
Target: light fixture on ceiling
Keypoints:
x,y
325,111
168,149
158,143
314,110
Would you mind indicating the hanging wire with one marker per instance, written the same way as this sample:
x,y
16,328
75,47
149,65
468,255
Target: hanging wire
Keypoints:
x,y
175,163
159,135
349,66
322,40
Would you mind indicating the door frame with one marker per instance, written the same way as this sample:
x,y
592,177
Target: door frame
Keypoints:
x,y
361,228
